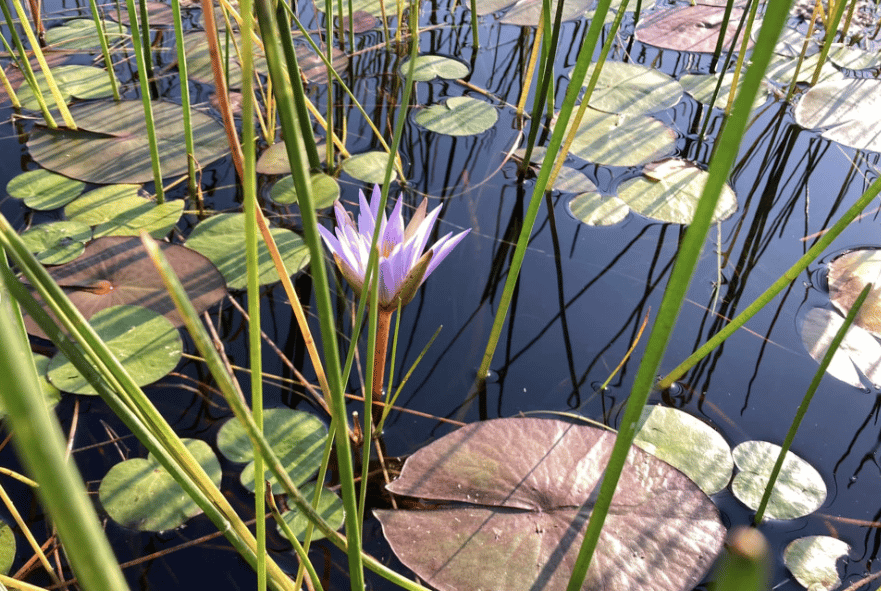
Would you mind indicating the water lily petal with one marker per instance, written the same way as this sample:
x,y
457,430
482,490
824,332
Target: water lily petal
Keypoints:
x,y
366,215
394,231
416,220
442,248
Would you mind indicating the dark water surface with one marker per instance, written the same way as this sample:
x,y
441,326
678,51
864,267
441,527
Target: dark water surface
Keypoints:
x,y
582,297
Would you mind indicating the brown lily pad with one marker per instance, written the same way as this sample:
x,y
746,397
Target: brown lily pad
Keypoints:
x,y
115,270
313,67
687,28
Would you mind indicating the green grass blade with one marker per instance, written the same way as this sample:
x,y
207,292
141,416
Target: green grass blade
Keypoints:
x,y
105,47
184,96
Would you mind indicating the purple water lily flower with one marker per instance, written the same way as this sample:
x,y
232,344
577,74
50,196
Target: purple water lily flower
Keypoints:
x,y
402,264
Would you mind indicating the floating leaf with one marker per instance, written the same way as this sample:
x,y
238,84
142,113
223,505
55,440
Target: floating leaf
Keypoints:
x,y
158,14
674,199
782,69
687,443
325,190
571,180
119,210
140,494
374,7
79,34
631,89
485,7
82,82
7,548
363,22
459,115
812,561
616,140
523,490
859,352
296,437
844,111
848,275
790,43
330,507
199,66
111,145
57,242
687,28
526,13
798,491
116,270
429,67
220,238
702,86
368,167
595,209
313,67
146,343
44,190
854,58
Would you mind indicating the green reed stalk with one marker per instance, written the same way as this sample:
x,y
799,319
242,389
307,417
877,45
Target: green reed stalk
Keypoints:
x,y
145,37
328,48
741,56
41,59
723,32
25,65
779,285
680,278
144,81
184,97
40,443
806,401
746,564
7,86
829,39
124,397
793,84
105,47
300,173
578,72
302,553
475,32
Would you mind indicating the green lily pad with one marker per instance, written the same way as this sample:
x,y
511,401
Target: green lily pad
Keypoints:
x,y
687,28
526,13
632,89
848,275
111,145
221,238
687,443
572,180
44,190
374,7
368,167
617,140
199,59
702,86
296,437
844,111
146,343
7,548
595,209
854,58
79,34
119,210
429,67
798,491
325,190
57,242
140,494
857,355
812,561
459,115
82,82
330,507
674,199
782,69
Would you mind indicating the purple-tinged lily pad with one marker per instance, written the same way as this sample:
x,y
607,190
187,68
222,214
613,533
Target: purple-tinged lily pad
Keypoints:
x,y
116,270
523,490
526,13
687,28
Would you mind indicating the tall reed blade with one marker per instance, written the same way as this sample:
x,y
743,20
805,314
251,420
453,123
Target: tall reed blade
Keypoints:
x,y
24,65
105,47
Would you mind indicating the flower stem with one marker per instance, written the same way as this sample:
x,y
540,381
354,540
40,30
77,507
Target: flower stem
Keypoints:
x,y
383,327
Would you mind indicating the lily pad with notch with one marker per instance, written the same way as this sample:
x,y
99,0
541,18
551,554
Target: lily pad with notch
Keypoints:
x,y
79,34
429,67
220,238
848,275
521,491
296,437
632,89
857,356
844,111
111,145
115,270
57,243
458,116
44,190
120,210
617,140
140,494
146,344
688,28
812,561
325,190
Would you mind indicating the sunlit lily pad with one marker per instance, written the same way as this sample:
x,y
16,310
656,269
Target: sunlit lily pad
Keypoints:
x,y
617,140
79,34
82,82
458,115
116,270
119,210
572,180
702,86
7,548
674,199
145,342
44,190
112,147
782,69
429,67
221,238
595,209
330,507
859,352
848,275
368,167
525,13
687,28
522,490
296,437
374,7
632,89
325,190
854,58
844,111
798,491
140,494
57,242
812,561
687,443
199,59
